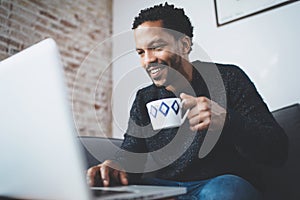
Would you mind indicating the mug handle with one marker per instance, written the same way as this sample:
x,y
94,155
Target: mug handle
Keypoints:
x,y
185,114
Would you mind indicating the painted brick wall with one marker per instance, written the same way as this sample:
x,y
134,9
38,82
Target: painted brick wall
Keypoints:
x,y
78,26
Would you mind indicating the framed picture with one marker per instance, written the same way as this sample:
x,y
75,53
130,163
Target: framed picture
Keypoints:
x,y
228,11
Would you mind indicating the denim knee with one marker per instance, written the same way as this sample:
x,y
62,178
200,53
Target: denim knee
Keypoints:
x,y
229,187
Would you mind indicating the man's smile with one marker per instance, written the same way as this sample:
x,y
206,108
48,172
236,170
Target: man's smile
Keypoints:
x,y
156,71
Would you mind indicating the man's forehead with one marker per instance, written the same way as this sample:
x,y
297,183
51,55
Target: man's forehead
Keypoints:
x,y
149,35
143,41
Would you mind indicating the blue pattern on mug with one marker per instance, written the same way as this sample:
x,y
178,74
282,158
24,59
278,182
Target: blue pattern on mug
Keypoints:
x,y
164,108
153,111
175,106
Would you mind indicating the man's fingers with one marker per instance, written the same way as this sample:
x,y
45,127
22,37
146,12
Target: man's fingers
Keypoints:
x,y
200,121
123,178
91,173
201,126
104,171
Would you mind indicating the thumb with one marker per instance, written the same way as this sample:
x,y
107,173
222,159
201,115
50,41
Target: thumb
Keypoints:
x,y
188,100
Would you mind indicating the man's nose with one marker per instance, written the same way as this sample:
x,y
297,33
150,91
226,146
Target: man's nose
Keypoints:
x,y
150,57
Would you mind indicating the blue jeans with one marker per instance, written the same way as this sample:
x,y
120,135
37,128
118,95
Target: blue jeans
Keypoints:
x,y
224,187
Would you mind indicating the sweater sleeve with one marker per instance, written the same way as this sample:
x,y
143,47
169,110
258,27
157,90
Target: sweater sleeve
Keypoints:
x,y
131,156
254,131
134,136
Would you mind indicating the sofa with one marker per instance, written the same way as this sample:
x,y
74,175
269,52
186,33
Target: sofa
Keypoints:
x,y
281,183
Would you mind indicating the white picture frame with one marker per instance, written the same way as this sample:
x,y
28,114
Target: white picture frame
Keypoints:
x,y
228,11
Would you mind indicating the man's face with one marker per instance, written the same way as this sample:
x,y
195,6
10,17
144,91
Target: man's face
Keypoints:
x,y
158,51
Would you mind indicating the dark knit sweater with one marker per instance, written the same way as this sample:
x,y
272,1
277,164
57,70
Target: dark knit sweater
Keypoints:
x,y
250,137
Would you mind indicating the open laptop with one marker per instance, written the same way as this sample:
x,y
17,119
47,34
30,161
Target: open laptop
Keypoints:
x,y
39,153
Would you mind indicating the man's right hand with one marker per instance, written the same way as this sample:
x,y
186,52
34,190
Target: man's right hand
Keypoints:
x,y
107,170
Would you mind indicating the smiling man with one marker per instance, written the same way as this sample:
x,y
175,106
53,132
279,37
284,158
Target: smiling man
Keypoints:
x,y
249,135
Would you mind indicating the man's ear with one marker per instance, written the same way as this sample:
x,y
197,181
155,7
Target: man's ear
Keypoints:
x,y
186,44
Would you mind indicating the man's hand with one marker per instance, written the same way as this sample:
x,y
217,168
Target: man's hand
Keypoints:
x,y
203,113
107,170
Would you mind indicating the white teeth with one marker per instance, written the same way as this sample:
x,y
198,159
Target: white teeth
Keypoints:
x,y
155,70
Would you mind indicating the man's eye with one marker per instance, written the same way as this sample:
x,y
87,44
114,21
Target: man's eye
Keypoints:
x,y
159,47
140,52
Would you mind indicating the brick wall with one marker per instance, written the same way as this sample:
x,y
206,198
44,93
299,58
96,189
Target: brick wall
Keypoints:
x,y
78,26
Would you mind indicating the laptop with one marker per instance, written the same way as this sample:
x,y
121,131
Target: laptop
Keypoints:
x,y
40,155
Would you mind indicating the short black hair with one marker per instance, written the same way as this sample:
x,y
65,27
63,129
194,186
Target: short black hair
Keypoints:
x,y
172,18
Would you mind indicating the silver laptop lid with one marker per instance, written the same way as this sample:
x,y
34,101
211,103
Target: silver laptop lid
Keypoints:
x,y
39,155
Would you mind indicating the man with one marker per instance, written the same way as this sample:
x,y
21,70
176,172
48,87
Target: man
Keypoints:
x,y
250,137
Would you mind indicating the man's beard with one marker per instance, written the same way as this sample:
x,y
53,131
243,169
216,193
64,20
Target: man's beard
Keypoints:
x,y
173,71
176,80
173,74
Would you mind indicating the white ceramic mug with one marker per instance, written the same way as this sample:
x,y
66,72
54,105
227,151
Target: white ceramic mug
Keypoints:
x,y
166,113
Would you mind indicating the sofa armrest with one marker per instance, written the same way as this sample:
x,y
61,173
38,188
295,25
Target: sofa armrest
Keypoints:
x,y
282,183
98,149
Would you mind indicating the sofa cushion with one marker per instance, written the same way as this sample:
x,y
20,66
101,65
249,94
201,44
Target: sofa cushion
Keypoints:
x,y
283,182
